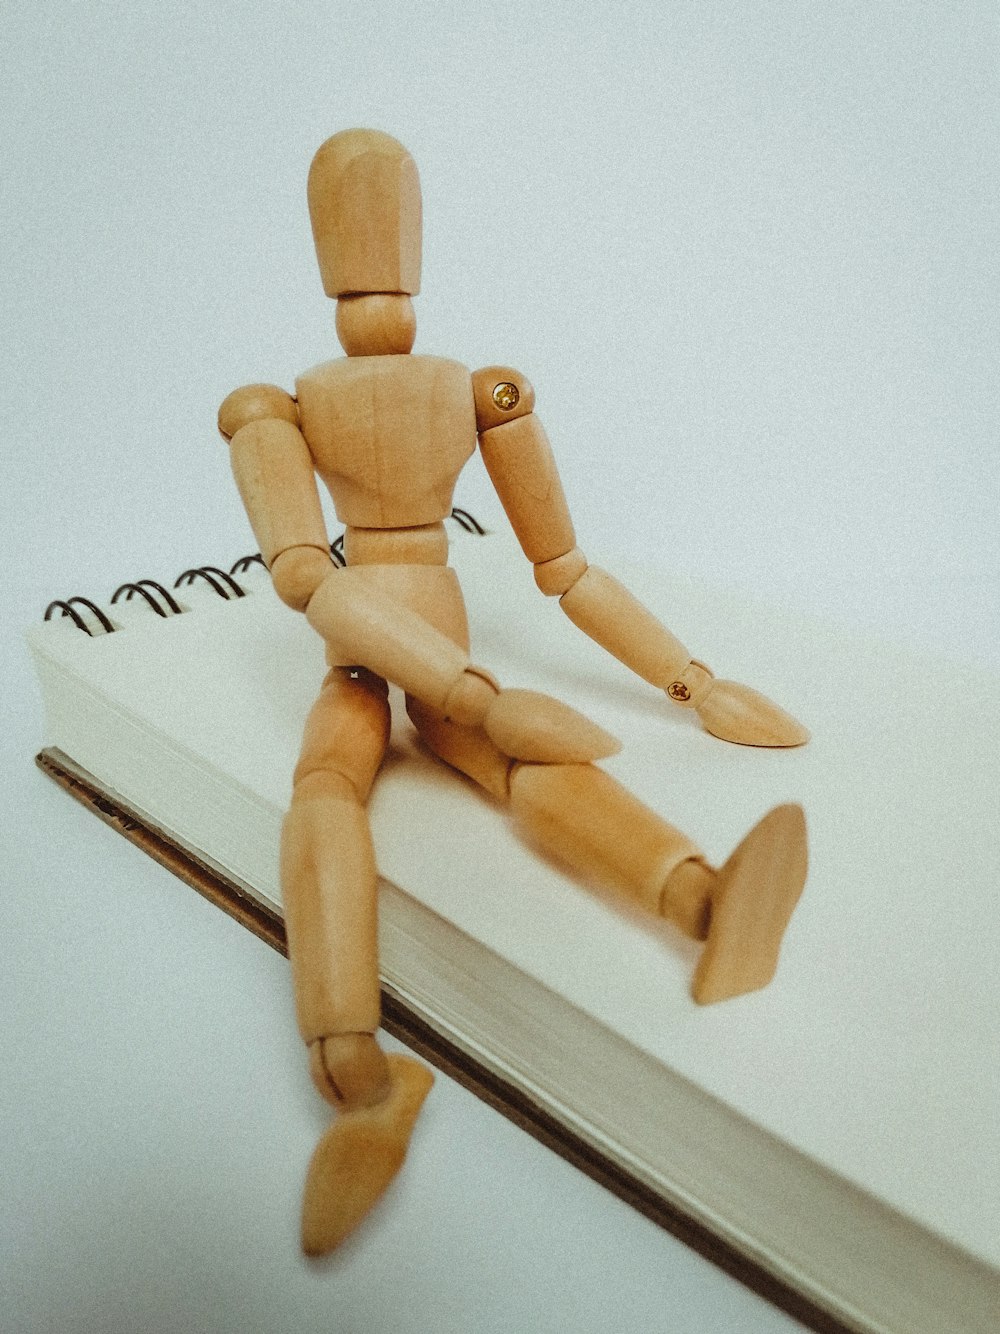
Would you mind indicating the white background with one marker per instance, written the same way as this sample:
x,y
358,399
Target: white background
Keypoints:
x,y
748,256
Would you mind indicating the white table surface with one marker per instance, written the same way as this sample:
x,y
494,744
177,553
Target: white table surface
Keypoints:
x,y
749,260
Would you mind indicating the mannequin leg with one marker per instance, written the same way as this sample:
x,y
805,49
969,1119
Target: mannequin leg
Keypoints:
x,y
328,872
591,823
329,890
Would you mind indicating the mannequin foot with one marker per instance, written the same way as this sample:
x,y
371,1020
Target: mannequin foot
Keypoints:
x,y
359,1156
752,901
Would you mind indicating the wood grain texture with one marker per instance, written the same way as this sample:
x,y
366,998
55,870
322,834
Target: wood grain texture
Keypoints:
x,y
389,436
359,1156
423,545
527,725
466,749
274,472
738,713
255,402
522,468
585,819
347,729
752,903
329,888
687,895
365,209
328,875
349,1070
390,619
297,572
378,324
557,576
609,614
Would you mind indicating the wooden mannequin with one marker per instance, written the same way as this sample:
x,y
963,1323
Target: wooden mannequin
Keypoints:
x,y
388,434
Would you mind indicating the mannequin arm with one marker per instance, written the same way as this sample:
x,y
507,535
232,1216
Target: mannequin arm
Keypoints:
x,y
274,472
521,466
366,627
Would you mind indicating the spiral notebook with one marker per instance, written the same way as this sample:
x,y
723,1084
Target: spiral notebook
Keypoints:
x,y
832,1139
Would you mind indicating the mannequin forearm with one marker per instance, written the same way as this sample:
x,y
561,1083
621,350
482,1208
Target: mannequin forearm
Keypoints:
x,y
366,628
609,614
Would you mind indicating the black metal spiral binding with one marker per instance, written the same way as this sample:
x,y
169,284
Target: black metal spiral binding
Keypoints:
x,y
210,573
67,610
222,583
465,520
141,587
244,563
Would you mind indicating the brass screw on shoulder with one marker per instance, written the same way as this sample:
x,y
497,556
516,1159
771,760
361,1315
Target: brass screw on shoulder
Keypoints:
x,y
506,396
